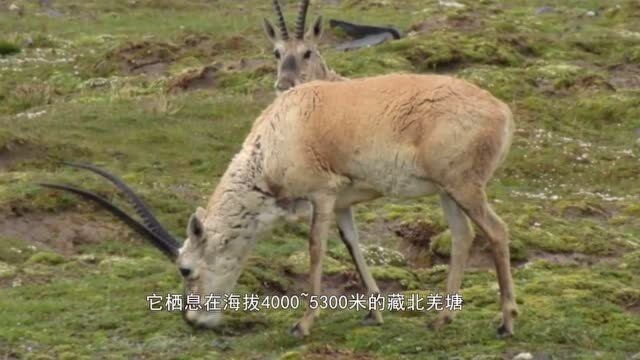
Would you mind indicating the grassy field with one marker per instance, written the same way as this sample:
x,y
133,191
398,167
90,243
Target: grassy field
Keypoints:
x,y
117,83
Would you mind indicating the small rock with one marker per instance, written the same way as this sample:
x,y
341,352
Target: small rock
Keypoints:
x,y
523,356
452,4
88,258
17,9
544,10
54,13
592,13
6,270
221,344
636,356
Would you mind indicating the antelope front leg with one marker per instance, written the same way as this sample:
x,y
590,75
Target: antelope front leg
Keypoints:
x,y
349,236
320,222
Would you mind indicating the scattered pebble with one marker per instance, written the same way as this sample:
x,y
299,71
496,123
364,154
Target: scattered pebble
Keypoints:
x,y
452,4
592,13
544,10
221,344
32,115
583,158
523,356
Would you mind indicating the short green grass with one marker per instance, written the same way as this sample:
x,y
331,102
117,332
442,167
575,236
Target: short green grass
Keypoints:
x,y
568,189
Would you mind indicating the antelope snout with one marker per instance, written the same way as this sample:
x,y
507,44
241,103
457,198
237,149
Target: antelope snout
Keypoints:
x,y
203,319
185,271
284,84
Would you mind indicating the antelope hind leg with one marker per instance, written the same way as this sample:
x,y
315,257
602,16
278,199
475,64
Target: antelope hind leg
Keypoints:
x,y
349,236
461,240
320,221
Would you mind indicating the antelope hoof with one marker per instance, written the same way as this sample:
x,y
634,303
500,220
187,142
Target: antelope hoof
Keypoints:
x,y
298,332
440,322
373,318
504,332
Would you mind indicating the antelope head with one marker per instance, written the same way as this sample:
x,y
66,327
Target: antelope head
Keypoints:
x,y
298,58
207,266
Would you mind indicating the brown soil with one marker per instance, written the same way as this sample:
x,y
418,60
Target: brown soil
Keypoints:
x,y
145,57
574,258
415,241
13,153
417,233
258,66
327,352
206,45
62,233
590,211
346,283
625,76
635,309
436,23
204,78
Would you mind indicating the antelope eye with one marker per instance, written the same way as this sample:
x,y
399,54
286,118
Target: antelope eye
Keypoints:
x,y
276,53
307,54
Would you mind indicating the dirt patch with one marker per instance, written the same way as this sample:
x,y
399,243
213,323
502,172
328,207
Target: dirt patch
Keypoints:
x,y
344,283
417,233
153,57
205,45
14,152
480,257
257,66
327,352
587,82
574,258
416,245
144,57
625,76
415,242
62,233
520,44
635,309
593,211
204,78
464,23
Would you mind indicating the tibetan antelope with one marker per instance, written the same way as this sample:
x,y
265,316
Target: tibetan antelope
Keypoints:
x,y
336,144
299,60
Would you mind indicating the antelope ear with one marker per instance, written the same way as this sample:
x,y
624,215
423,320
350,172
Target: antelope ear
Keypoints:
x,y
315,31
269,30
195,229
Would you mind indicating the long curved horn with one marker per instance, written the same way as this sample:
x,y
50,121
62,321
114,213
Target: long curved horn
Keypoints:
x,y
281,23
302,17
150,228
167,248
139,206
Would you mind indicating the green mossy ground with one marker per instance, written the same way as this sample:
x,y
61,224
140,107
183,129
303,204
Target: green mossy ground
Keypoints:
x,y
96,84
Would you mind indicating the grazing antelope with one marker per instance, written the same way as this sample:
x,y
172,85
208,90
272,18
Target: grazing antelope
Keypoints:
x,y
336,144
299,60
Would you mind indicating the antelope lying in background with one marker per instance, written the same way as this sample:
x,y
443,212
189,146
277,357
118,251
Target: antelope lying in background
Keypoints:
x,y
299,60
401,135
